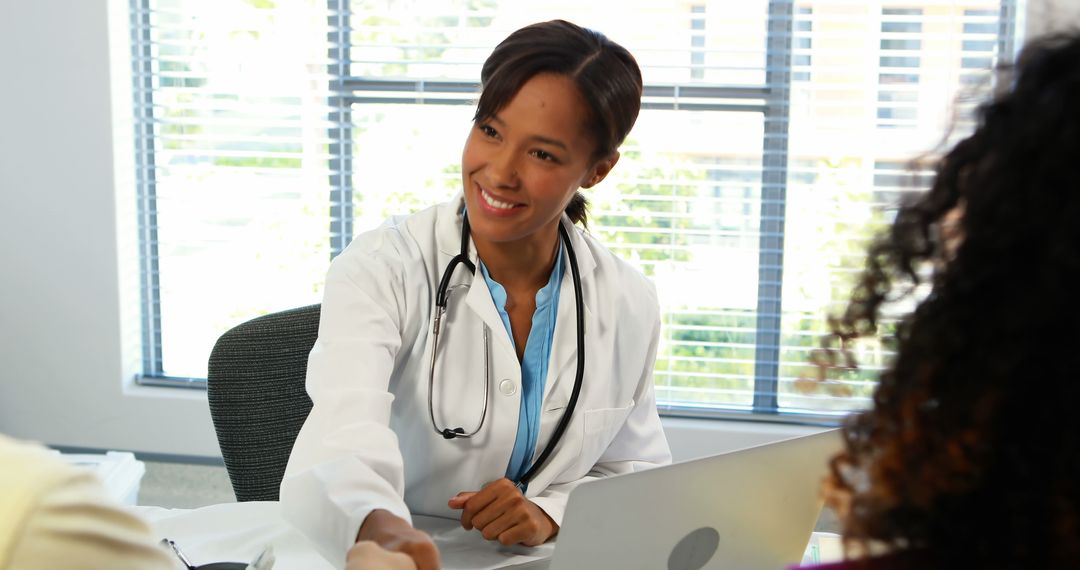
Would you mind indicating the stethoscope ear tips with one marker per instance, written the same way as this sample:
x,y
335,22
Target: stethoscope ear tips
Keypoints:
x,y
452,433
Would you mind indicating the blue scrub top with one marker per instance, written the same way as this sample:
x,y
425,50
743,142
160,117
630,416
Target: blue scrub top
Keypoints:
x,y
534,363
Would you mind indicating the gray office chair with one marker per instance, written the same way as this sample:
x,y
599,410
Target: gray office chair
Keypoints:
x,y
255,384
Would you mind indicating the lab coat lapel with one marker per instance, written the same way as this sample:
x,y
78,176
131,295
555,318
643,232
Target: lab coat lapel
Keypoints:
x,y
448,227
480,301
562,367
478,298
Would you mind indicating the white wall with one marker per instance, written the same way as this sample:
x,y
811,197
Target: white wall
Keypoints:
x,y
68,291
68,347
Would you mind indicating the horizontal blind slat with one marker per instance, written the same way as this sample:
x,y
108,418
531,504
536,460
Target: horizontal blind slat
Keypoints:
x,y
696,201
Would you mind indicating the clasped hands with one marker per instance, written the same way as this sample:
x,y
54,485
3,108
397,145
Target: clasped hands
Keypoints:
x,y
499,511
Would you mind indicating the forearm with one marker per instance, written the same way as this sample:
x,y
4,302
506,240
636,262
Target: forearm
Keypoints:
x,y
328,502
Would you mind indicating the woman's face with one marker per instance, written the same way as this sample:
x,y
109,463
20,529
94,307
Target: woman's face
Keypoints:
x,y
521,167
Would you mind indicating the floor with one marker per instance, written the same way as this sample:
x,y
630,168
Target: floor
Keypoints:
x,y
184,486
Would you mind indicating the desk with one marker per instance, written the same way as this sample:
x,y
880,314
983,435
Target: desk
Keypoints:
x,y
239,531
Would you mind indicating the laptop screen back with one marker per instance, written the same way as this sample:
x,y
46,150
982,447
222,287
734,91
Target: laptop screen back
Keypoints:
x,y
749,509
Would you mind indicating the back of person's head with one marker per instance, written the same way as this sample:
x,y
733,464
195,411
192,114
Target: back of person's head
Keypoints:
x,y
606,75
972,448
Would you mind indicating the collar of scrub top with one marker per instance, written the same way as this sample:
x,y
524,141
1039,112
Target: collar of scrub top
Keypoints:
x,y
442,297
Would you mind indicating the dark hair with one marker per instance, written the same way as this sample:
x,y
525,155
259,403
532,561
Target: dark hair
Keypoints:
x,y
971,451
606,75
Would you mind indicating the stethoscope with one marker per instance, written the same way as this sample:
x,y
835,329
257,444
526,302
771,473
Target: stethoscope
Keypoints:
x,y
441,298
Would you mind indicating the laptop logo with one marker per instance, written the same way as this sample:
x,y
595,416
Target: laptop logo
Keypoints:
x,y
694,550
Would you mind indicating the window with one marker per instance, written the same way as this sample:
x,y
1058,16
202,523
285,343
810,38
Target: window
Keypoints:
x,y
269,133
901,48
979,44
802,43
697,41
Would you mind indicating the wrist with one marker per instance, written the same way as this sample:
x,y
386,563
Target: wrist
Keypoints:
x,y
553,527
377,523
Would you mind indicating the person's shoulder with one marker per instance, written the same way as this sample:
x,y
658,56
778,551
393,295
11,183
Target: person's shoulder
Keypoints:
x,y
31,468
395,232
33,476
31,479
397,240
59,516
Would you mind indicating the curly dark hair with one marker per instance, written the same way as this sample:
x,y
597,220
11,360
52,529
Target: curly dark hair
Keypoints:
x,y
971,451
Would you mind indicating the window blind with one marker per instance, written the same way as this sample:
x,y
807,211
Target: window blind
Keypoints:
x,y
239,168
774,139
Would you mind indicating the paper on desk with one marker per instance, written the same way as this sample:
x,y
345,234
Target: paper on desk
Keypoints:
x,y
235,532
823,547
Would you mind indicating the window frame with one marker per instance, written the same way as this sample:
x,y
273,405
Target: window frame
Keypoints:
x,y
772,99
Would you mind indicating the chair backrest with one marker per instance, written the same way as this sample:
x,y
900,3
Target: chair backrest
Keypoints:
x,y
255,384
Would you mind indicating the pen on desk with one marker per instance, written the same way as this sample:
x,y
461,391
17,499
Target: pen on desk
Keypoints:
x,y
264,561
176,549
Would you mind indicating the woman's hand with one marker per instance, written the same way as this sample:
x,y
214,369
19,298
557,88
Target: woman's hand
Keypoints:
x,y
500,512
367,555
394,534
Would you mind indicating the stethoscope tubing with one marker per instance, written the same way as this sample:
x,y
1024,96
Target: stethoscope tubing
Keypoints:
x,y
441,299
578,375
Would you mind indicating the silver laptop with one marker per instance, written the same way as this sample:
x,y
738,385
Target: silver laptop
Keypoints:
x,y
751,509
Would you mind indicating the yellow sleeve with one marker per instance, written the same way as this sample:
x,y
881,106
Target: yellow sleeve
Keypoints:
x,y
63,519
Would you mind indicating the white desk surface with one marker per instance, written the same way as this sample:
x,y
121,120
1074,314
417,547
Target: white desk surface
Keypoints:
x,y
237,532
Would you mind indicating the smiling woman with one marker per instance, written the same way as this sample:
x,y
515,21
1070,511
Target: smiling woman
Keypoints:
x,y
522,168
556,102
523,165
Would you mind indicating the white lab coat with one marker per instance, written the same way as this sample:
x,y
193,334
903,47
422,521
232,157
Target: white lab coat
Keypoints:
x,y
369,443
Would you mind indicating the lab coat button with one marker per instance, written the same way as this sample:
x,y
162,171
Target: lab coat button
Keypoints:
x,y
507,387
